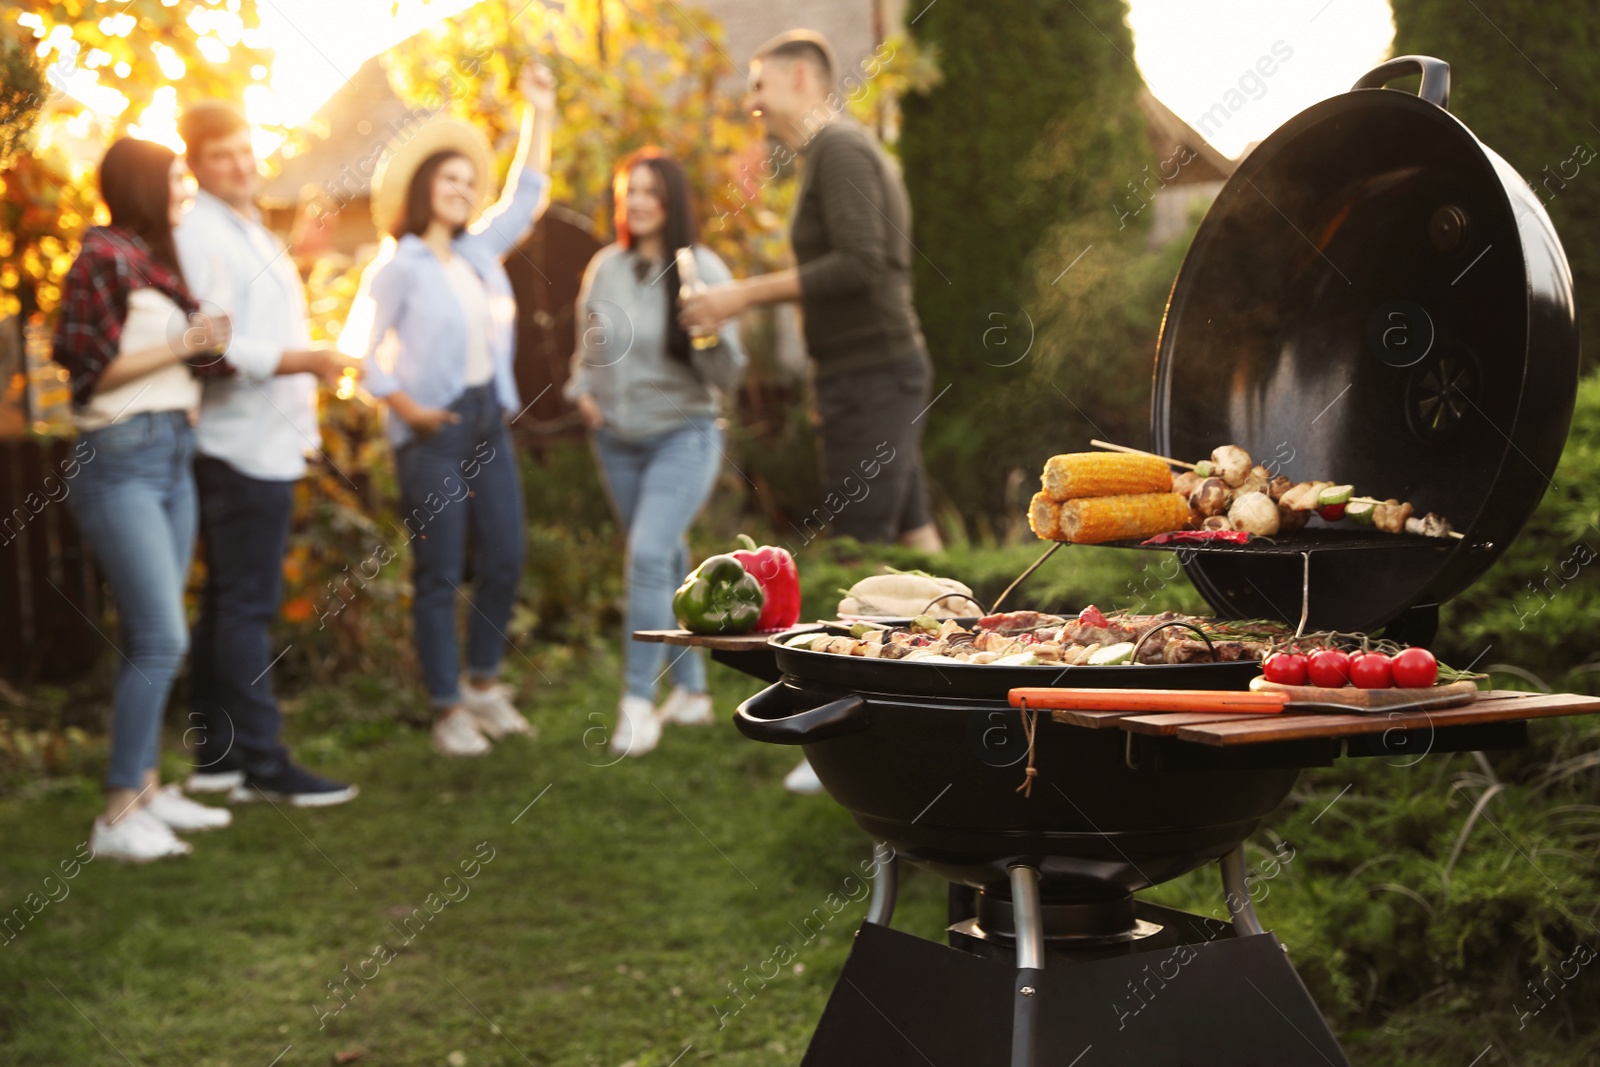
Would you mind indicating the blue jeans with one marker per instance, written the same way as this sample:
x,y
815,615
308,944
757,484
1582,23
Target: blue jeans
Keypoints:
x,y
244,526
657,486
134,501
459,490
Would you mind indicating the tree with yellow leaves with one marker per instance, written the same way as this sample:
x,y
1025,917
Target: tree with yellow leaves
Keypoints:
x,y
120,56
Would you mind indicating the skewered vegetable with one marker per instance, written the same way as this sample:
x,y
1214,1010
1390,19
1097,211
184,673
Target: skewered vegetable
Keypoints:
x,y
1096,474
1255,513
1430,525
1185,483
1044,517
1113,518
1210,498
1232,464
1255,482
1391,516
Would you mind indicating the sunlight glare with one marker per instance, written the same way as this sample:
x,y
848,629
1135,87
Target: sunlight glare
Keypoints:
x,y
1208,62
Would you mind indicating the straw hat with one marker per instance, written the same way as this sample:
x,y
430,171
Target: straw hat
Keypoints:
x,y
393,176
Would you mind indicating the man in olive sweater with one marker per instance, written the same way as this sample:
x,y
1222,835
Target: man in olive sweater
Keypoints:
x,y
851,237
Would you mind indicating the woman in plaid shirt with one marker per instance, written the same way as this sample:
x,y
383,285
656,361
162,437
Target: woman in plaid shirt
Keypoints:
x,y
135,342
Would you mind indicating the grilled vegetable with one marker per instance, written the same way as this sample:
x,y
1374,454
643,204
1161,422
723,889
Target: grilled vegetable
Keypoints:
x,y
1335,494
1232,464
905,594
1111,518
1359,511
1429,525
1218,522
1210,497
1391,516
1044,517
1185,483
719,597
1290,520
1255,482
1255,513
1121,652
1092,474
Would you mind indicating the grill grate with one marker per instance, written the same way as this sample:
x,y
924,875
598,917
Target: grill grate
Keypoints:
x,y
1313,541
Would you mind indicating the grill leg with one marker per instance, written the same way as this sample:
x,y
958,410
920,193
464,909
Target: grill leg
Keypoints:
x,y
961,903
1238,893
884,885
1029,925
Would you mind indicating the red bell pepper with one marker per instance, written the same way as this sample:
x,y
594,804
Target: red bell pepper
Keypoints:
x,y
775,569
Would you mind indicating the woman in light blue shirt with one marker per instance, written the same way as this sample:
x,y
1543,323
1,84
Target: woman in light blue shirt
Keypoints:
x,y
439,351
651,397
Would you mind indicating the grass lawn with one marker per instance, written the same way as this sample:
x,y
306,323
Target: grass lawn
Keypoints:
x,y
602,925
548,905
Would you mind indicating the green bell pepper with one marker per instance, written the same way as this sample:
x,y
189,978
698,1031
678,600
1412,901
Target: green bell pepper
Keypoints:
x,y
719,597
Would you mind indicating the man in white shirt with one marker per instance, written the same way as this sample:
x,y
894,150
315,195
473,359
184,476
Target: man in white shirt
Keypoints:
x,y
255,430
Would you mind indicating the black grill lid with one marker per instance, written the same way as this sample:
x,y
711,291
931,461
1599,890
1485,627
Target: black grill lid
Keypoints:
x,y
1376,298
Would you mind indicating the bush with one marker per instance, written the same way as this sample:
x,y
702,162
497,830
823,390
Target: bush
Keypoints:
x,y
1535,609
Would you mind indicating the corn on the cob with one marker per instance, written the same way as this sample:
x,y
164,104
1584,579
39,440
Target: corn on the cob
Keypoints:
x,y
1080,474
1044,517
1092,520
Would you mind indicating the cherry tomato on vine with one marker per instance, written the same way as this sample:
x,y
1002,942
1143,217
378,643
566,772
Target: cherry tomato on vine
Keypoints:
x,y
1329,668
1415,668
1285,668
1371,670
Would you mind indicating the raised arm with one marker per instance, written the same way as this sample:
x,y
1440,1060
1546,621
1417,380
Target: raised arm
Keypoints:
x,y
527,190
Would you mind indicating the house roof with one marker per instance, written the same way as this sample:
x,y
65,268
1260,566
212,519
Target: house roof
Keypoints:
x,y
1169,134
357,120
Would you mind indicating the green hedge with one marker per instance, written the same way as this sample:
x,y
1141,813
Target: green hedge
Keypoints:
x,y
1014,162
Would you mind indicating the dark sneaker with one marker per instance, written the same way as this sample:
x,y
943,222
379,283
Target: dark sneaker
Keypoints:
x,y
295,786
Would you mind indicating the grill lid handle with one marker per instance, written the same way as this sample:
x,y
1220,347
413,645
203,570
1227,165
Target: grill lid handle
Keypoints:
x,y
1435,87
770,716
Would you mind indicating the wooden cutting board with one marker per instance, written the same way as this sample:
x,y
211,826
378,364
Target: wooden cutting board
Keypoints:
x,y
1438,696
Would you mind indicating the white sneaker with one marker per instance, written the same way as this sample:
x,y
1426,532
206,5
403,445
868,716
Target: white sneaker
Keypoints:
x,y
217,782
803,780
493,710
457,734
637,728
137,837
686,708
178,812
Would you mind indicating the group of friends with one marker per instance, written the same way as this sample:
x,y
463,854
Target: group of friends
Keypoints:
x,y
183,328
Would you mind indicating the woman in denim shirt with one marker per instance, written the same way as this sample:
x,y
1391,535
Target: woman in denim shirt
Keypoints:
x,y
650,397
133,340
439,348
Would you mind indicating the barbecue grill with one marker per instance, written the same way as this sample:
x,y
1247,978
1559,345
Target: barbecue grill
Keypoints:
x,y
1374,295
